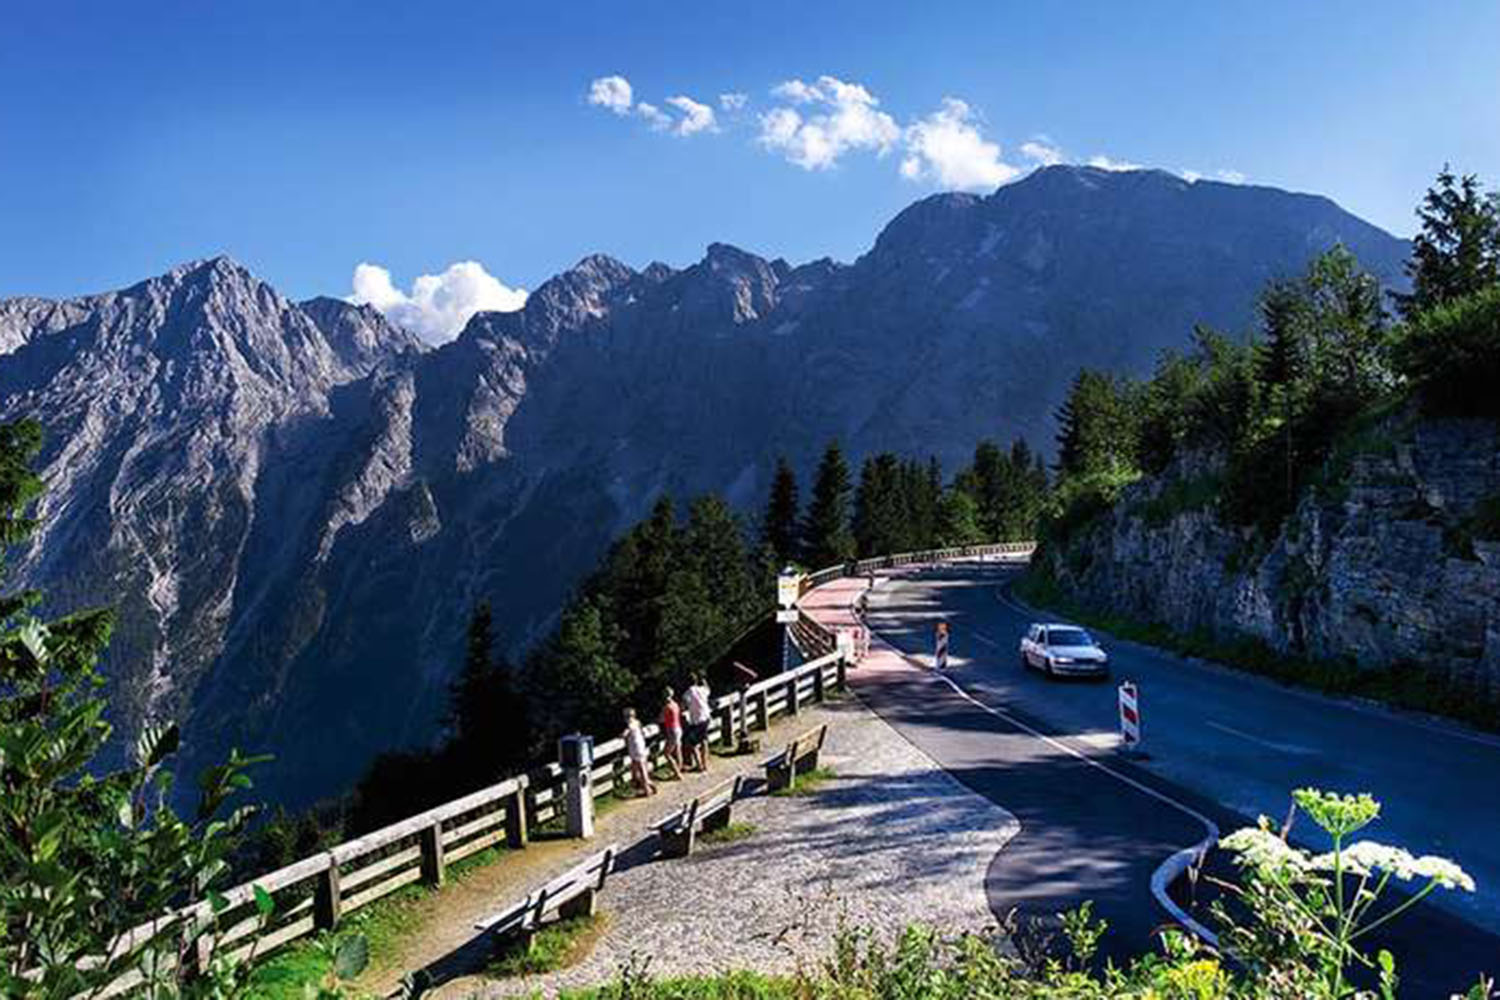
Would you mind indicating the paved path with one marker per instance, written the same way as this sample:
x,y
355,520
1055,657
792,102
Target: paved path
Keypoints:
x,y
1223,744
890,840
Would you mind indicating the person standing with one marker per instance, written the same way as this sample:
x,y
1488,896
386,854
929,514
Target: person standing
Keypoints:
x,y
671,729
699,712
640,758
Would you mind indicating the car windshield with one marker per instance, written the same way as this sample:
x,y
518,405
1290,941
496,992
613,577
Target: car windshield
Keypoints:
x,y
1068,637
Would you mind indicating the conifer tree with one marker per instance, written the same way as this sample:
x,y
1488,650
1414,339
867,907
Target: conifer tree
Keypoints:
x,y
781,530
826,532
1457,251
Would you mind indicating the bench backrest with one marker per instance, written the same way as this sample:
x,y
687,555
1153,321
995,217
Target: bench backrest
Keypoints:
x,y
809,742
728,789
525,915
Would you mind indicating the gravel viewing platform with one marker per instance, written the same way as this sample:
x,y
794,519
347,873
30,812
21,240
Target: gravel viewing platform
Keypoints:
x,y
891,839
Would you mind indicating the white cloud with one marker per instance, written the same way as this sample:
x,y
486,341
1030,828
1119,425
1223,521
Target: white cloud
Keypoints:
x,y
733,101
612,92
1041,151
658,119
695,117
947,146
844,117
1230,176
439,304
1105,163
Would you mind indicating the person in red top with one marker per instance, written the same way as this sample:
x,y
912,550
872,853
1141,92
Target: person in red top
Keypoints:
x,y
671,728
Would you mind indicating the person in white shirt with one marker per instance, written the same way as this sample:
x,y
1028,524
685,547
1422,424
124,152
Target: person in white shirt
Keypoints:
x,y
640,758
698,705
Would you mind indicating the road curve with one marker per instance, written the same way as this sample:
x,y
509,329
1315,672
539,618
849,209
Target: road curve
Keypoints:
x,y
1223,747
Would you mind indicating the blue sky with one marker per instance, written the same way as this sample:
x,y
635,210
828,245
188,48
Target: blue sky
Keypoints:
x,y
305,139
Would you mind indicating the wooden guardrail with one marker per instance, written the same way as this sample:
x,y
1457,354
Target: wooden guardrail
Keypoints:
x,y
317,892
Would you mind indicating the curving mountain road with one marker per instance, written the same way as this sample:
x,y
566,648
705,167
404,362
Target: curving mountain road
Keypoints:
x,y
1222,747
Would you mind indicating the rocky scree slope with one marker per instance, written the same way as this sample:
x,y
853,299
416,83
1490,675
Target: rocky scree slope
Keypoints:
x,y
295,506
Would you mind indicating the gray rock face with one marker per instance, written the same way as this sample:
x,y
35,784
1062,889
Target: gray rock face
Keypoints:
x,y
295,506
1379,567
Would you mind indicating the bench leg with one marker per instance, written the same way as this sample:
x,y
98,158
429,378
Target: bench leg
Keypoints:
x,y
716,820
676,843
579,906
776,779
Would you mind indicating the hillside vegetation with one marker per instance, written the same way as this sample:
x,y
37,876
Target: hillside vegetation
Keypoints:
x,y
1327,486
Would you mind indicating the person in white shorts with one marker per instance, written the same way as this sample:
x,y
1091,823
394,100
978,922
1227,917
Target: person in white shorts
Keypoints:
x,y
699,712
640,759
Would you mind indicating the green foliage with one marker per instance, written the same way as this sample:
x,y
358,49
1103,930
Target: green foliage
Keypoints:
x,y
826,534
1097,426
958,519
556,946
781,530
729,834
1451,354
1009,489
1457,252
808,783
88,854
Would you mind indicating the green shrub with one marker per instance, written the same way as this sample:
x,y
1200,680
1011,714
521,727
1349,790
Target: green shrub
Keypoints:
x,y
1451,353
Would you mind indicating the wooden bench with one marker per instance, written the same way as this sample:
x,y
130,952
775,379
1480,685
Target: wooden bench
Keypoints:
x,y
709,811
570,894
800,756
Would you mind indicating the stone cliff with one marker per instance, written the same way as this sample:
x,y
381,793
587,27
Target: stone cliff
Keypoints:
x,y
1392,561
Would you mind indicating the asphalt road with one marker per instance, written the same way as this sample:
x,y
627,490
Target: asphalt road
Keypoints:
x,y
1222,748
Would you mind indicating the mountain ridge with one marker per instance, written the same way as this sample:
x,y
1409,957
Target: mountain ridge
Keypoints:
x,y
296,504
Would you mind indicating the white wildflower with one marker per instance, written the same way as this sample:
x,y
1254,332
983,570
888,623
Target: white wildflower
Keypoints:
x,y
1259,847
1444,872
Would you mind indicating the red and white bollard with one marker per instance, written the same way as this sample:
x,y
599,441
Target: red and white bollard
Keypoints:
x,y
1130,718
940,650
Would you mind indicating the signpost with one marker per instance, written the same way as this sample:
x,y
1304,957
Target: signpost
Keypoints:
x,y
940,653
788,589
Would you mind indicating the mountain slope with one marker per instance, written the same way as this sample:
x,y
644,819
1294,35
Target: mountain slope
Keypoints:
x,y
296,507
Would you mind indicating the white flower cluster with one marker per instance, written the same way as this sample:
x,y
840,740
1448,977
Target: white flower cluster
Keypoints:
x,y
1258,847
1367,857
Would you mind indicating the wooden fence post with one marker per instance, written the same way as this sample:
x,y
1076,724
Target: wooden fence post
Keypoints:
x,y
516,831
434,868
792,706
726,726
763,708
818,684
328,903
843,674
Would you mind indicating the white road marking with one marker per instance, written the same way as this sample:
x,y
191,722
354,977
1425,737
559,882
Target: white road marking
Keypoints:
x,y
1287,748
1169,869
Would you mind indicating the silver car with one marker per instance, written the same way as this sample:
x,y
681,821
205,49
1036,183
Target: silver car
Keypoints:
x,y
1063,651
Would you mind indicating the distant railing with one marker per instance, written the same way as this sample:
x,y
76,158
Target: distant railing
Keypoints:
x,y
815,639
316,893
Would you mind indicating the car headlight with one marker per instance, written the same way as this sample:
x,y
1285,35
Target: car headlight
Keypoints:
x,y
1062,659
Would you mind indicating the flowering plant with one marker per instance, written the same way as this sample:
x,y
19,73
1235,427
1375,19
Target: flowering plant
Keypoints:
x,y
1310,911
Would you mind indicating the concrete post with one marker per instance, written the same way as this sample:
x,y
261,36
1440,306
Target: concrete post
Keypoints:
x,y
576,754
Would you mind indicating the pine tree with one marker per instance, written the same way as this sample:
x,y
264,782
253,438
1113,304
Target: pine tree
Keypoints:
x,y
958,522
1457,252
781,530
1097,426
879,507
488,717
826,532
